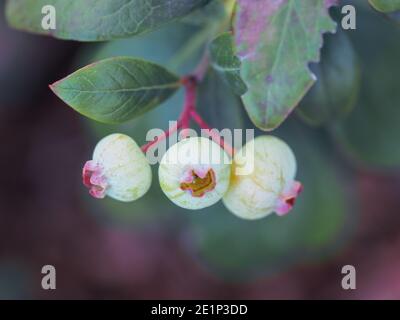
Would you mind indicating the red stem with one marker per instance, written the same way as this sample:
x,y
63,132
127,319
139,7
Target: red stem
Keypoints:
x,y
162,137
190,84
188,113
215,136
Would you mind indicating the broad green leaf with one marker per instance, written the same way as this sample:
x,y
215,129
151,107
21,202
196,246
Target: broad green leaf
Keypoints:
x,y
98,20
276,40
237,249
370,135
334,94
116,90
386,6
226,63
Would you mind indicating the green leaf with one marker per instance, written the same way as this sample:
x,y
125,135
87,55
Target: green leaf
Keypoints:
x,y
370,135
335,93
386,6
276,40
226,63
98,20
237,249
116,90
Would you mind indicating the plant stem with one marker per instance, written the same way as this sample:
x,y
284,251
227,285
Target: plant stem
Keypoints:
x,y
190,84
212,133
189,112
162,137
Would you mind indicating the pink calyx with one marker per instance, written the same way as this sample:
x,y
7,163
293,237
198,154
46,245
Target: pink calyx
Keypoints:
x,y
288,198
94,180
198,182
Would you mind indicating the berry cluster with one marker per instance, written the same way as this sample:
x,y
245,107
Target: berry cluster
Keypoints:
x,y
196,173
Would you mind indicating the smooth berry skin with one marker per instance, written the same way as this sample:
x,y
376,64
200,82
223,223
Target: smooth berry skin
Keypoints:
x,y
266,183
119,169
195,173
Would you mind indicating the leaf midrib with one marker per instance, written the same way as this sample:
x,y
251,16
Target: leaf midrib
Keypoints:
x,y
158,87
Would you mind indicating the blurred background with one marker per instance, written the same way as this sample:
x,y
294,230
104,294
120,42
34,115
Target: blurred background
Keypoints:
x,y
345,135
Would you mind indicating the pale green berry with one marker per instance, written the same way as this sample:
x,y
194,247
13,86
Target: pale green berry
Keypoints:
x,y
262,179
194,173
119,169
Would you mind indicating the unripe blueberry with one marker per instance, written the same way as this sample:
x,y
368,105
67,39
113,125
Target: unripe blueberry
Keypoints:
x,y
269,186
119,169
194,173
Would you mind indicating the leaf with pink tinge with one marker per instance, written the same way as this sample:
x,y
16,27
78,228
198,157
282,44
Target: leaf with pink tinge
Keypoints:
x,y
276,40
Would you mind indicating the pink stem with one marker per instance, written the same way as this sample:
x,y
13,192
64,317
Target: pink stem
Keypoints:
x,y
189,112
215,136
190,84
162,137
184,118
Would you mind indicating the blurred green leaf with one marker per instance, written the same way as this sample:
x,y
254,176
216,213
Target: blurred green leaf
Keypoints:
x,y
148,47
386,6
275,42
370,135
118,89
209,14
239,249
194,44
226,63
16,280
334,94
219,106
97,20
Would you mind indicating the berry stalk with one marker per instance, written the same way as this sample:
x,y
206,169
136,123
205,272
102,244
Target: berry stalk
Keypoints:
x,y
189,112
